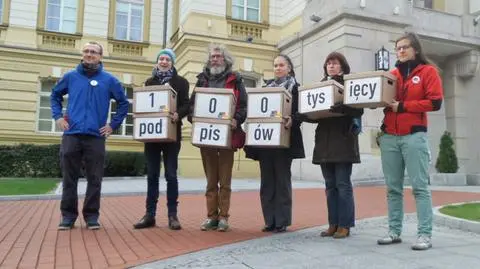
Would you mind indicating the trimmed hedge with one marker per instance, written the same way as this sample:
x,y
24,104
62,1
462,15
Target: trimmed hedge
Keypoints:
x,y
28,160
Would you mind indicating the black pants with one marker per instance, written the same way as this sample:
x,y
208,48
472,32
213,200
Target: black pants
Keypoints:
x,y
339,191
75,150
154,153
276,187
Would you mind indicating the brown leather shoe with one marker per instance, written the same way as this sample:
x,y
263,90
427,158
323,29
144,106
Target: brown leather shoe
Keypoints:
x,y
341,233
174,223
329,232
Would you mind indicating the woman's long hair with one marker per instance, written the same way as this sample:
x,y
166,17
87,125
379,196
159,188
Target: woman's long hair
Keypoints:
x,y
417,46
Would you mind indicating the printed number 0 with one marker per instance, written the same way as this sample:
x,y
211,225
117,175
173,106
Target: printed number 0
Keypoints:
x,y
264,104
212,107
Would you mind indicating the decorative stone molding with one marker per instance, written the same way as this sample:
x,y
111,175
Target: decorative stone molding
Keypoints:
x,y
245,29
56,40
126,48
467,64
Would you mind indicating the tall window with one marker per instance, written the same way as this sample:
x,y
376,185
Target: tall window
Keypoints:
x,y
1,11
129,20
61,16
45,123
249,82
126,129
428,4
248,10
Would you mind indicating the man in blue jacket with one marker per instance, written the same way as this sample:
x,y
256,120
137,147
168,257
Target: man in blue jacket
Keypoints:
x,y
85,128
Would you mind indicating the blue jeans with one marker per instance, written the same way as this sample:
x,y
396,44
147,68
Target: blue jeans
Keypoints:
x,y
339,191
154,153
409,152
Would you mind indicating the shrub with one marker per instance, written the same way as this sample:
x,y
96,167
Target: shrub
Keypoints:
x,y
447,159
27,160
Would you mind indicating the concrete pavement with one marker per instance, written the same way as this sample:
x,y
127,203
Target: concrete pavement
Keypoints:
x,y
306,249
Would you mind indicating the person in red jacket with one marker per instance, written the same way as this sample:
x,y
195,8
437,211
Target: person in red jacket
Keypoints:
x,y
404,143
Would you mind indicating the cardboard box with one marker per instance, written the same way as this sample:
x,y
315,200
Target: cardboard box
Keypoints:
x,y
214,103
369,89
268,102
154,127
267,133
315,100
211,133
154,99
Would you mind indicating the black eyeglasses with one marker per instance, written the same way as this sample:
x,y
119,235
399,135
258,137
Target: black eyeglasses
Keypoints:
x,y
399,48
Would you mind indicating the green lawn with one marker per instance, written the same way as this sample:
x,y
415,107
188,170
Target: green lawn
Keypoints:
x,y
465,211
18,186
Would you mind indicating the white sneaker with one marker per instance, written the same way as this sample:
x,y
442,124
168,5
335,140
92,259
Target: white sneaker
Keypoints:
x,y
390,238
424,242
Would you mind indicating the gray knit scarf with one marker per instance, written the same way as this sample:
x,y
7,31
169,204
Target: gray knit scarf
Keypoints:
x,y
287,82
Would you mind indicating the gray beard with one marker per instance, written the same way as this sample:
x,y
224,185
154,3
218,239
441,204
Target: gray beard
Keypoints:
x,y
217,70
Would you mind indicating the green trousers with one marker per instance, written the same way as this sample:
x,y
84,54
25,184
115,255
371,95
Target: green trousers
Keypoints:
x,y
410,152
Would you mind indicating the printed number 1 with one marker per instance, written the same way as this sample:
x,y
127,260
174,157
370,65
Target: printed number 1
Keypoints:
x,y
151,95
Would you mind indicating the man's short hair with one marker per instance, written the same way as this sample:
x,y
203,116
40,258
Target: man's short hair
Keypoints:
x,y
95,43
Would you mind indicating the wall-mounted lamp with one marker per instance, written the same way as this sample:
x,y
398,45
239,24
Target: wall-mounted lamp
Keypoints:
x,y
382,59
363,3
476,20
396,10
315,18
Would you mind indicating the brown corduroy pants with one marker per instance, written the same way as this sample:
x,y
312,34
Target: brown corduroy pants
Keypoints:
x,y
218,164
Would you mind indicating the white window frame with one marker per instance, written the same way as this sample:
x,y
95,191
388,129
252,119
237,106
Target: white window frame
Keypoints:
x,y
245,8
129,18
54,129
61,18
123,127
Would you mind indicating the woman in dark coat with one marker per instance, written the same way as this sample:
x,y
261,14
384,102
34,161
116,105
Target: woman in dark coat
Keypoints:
x,y
275,164
336,150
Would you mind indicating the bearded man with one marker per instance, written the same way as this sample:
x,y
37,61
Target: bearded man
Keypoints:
x,y
218,163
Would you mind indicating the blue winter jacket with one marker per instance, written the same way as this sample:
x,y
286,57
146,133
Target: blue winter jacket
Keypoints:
x,y
89,101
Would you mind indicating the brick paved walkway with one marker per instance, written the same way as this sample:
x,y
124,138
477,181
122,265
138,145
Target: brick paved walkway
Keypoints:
x,y
29,236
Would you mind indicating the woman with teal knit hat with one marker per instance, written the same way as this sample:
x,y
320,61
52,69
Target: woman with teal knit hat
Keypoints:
x,y
165,72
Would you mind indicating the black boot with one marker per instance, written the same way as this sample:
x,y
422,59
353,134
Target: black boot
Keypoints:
x,y
174,223
146,222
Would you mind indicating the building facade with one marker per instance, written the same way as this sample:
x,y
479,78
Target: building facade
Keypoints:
x,y
450,34
41,39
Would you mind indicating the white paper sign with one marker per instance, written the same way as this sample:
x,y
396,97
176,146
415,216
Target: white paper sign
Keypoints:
x,y
263,134
365,90
210,134
214,106
151,102
316,99
150,128
264,105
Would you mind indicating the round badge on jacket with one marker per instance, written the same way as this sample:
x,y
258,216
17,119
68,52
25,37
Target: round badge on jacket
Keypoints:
x,y
416,79
94,83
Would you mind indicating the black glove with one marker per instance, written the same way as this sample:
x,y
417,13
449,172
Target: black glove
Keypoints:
x,y
337,108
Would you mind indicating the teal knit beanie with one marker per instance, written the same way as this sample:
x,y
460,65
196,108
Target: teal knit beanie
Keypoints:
x,y
170,54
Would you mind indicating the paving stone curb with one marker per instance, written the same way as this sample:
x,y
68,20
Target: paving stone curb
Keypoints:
x,y
454,222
